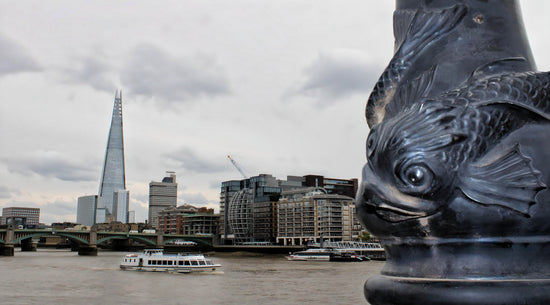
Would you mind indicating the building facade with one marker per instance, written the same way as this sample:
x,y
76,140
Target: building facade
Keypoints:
x,y
20,216
188,220
346,187
248,207
113,177
310,215
86,210
121,204
162,195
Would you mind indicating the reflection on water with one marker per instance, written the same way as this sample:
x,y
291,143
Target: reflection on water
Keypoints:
x,y
63,277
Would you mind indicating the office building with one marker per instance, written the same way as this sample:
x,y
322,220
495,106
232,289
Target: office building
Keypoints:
x,y
121,204
86,210
188,220
162,195
310,215
248,206
131,216
20,216
113,177
346,187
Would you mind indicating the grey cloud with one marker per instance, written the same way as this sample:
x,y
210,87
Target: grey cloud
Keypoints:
x,y
340,73
53,164
193,198
190,161
150,71
6,192
93,70
14,58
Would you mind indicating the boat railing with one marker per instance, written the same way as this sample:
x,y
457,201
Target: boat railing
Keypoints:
x,y
353,245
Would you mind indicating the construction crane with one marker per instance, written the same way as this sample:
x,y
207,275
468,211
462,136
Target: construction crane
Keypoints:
x,y
237,167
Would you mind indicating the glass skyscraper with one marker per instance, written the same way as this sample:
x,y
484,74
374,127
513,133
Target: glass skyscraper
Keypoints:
x,y
113,178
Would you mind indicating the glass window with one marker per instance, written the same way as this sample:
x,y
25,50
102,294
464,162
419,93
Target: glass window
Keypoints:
x,y
187,263
194,263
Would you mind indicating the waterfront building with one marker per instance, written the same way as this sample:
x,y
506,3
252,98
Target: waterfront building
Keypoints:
x,y
113,177
20,216
346,187
188,220
162,195
311,215
86,210
248,206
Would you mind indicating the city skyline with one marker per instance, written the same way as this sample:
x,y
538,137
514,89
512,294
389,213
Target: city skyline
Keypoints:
x,y
280,86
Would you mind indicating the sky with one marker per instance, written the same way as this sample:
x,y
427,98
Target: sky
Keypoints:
x,y
281,86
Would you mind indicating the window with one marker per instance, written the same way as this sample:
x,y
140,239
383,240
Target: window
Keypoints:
x,y
194,263
187,263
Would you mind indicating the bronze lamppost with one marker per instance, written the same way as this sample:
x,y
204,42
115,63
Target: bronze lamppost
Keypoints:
x,y
457,174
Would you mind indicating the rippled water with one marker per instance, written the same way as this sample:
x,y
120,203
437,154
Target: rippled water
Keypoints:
x,y
63,277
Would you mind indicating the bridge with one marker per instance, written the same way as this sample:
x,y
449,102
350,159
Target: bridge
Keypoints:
x,y
88,241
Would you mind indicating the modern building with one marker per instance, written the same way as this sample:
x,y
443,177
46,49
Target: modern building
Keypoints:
x,y
131,216
121,205
188,220
162,195
113,177
248,206
310,215
20,216
86,210
346,187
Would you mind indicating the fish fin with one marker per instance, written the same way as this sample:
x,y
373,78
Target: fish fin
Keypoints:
x,y
500,66
412,34
410,93
528,90
429,25
401,21
507,179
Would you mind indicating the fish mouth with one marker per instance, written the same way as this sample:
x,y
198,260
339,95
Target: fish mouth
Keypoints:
x,y
391,213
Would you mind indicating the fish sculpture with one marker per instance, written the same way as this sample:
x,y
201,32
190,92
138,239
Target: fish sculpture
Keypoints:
x,y
456,182
423,150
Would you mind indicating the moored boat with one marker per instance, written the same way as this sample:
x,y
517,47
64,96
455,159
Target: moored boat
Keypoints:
x,y
156,260
324,254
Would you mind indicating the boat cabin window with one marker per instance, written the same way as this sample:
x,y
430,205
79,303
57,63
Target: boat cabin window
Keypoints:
x,y
180,263
164,262
169,262
194,263
187,263
202,263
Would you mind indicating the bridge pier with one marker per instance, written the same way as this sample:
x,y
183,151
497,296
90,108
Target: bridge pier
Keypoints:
x,y
6,250
27,245
86,250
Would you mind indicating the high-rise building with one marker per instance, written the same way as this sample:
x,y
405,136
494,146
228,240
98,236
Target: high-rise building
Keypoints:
x,y
162,195
86,210
20,216
113,177
121,204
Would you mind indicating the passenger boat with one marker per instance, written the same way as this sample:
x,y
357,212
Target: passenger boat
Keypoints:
x,y
324,254
156,260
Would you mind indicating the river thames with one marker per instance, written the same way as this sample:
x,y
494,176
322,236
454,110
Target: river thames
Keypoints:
x,y
63,277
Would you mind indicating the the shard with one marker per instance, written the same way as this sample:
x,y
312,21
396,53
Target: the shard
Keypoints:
x,y
113,177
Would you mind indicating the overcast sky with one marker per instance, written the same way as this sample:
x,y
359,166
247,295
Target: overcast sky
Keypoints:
x,y
279,85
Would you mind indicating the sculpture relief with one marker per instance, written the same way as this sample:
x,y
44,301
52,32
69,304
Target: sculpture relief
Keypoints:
x,y
456,180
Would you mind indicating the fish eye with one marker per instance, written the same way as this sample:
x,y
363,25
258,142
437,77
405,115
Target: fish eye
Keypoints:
x,y
418,177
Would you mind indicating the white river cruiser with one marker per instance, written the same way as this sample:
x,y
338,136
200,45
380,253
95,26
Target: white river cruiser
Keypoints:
x,y
325,254
156,260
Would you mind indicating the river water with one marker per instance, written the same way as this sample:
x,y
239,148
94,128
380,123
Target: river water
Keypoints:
x,y
63,277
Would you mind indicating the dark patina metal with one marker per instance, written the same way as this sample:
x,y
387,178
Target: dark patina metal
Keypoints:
x,y
456,181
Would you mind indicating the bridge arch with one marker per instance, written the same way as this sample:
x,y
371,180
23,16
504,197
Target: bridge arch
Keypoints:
x,y
138,238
